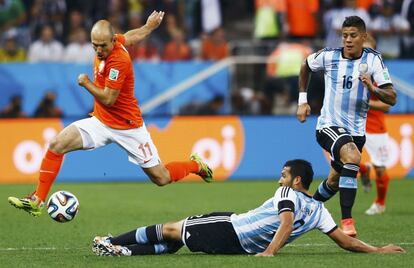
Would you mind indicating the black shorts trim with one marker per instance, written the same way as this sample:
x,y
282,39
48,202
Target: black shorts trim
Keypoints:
x,y
211,233
333,229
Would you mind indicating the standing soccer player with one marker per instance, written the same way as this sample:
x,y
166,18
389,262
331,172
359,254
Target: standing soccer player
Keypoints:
x,y
116,118
341,126
376,146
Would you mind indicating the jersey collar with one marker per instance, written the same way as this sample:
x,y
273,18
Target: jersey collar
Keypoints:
x,y
357,58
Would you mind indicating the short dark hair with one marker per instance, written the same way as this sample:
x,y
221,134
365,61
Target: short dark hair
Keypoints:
x,y
354,21
302,168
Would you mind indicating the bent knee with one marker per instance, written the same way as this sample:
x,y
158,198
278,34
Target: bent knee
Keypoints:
x,y
56,146
350,154
380,171
172,231
354,159
160,181
158,175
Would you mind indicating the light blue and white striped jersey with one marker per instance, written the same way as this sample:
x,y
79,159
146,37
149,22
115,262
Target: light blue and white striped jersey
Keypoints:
x,y
346,99
256,228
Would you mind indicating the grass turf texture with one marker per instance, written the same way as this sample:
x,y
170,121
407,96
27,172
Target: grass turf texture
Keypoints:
x,y
119,207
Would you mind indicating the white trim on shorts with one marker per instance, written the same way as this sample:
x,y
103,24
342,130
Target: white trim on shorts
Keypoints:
x,y
136,142
334,137
183,231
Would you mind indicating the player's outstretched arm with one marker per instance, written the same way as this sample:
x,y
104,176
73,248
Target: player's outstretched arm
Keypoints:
x,y
355,245
281,236
303,106
134,36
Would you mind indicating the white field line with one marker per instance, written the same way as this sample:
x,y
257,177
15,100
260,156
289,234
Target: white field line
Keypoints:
x,y
290,245
184,85
330,244
403,86
39,249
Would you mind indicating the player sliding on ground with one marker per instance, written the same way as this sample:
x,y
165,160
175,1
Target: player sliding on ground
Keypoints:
x,y
290,213
349,71
116,118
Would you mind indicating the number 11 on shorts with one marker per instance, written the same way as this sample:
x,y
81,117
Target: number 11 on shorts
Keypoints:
x,y
145,148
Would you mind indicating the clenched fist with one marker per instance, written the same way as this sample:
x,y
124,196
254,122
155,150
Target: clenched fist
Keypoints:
x,y
366,80
83,79
303,111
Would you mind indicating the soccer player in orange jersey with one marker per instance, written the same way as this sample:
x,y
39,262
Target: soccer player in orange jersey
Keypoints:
x,y
376,146
116,118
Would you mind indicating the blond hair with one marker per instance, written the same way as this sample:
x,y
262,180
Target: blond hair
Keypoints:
x,y
370,42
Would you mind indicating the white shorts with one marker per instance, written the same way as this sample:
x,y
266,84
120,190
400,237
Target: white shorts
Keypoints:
x,y
136,142
377,148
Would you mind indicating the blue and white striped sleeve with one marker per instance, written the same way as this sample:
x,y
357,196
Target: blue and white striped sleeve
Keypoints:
x,y
326,223
316,61
380,71
285,199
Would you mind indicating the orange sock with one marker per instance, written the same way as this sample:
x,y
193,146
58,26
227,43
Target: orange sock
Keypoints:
x,y
362,168
179,170
48,171
382,188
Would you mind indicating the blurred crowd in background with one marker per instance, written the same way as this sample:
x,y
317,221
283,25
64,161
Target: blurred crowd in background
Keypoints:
x,y
285,31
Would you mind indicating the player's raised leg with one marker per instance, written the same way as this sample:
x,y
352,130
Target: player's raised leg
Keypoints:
x,y
328,139
329,187
69,139
345,151
177,170
143,152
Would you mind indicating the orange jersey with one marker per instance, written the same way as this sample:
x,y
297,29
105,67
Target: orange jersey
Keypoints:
x,y
211,51
375,120
116,72
301,19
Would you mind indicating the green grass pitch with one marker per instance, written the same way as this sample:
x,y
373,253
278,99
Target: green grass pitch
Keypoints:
x,y
117,207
